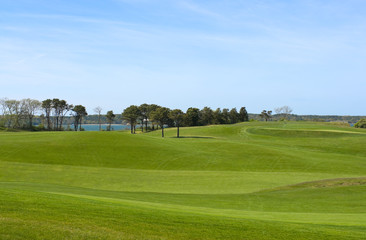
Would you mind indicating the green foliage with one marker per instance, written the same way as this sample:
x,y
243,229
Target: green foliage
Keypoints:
x,y
177,116
161,116
79,113
361,123
192,117
266,115
206,116
40,127
234,116
131,114
110,118
243,115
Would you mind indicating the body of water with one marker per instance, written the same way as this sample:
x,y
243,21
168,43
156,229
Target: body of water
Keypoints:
x,y
95,127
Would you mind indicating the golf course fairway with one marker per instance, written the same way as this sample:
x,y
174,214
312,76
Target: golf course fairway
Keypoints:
x,y
252,181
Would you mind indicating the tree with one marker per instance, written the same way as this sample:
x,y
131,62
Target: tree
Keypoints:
x,y
243,115
285,111
177,116
98,110
55,107
192,117
206,116
110,117
225,116
361,123
144,111
131,114
217,116
47,107
3,112
64,107
161,116
31,106
79,113
15,112
234,116
266,115
152,107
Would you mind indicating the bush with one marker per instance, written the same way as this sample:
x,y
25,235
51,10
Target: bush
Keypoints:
x,y
39,127
361,123
341,124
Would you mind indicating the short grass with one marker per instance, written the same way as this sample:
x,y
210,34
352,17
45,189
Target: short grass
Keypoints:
x,y
274,180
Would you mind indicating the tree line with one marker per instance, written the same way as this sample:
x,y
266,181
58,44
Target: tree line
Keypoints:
x,y
159,117
51,114
19,114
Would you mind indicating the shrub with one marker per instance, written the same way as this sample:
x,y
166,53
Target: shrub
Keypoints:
x,y
361,123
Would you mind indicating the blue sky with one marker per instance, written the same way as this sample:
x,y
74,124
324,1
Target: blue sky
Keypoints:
x,y
309,55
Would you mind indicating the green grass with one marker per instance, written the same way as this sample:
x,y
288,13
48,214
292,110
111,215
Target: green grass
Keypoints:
x,y
287,180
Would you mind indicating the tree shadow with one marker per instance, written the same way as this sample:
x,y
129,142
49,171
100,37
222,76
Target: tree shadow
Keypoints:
x,y
193,137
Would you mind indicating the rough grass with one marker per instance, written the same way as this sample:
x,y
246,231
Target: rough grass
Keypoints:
x,y
244,181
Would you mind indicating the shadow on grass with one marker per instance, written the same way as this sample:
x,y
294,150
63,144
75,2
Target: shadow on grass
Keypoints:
x,y
193,137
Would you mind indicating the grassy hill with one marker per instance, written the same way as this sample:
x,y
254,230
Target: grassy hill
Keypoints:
x,y
272,180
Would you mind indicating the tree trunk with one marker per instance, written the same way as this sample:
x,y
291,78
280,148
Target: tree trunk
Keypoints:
x,y
162,131
48,120
100,126
30,122
76,124
56,127
178,131
131,128
146,125
142,125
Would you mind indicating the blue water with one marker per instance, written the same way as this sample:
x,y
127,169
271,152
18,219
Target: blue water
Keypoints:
x,y
95,127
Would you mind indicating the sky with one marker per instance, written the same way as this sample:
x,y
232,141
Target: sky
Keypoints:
x,y
261,54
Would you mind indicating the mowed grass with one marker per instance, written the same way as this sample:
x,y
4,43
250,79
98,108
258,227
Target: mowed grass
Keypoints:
x,y
274,180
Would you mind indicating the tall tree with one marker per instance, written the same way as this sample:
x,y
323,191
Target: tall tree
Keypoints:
x,y
152,107
31,106
3,112
110,118
243,115
206,116
131,114
79,113
144,111
192,117
15,112
177,116
234,116
56,110
217,116
225,116
47,107
161,116
98,110
64,108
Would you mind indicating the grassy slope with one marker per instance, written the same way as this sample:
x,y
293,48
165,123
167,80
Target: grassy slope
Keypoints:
x,y
216,182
